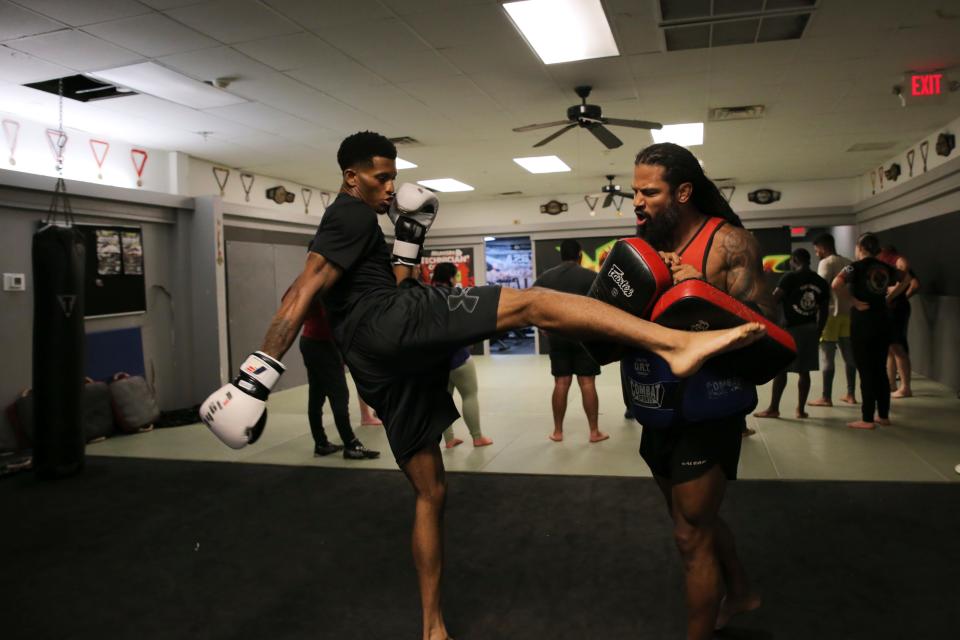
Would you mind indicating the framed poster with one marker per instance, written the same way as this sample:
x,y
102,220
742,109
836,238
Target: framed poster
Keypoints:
x,y
114,281
461,257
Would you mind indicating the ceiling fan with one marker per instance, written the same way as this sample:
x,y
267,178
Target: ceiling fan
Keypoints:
x,y
608,192
589,117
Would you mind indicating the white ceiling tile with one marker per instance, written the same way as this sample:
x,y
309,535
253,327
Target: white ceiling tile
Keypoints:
x,y
383,38
291,51
232,21
77,13
265,118
469,25
151,35
168,114
163,5
16,22
76,50
323,16
404,66
20,68
337,74
219,62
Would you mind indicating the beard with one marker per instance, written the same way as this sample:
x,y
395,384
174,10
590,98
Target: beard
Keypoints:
x,y
658,230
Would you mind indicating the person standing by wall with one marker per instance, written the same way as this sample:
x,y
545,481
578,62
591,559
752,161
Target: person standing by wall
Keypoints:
x,y
836,333
898,360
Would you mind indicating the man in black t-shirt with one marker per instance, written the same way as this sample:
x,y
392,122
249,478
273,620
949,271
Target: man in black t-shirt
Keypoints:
x,y
397,335
872,285
804,299
568,358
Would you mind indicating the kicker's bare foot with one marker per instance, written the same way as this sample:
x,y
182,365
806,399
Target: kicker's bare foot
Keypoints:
x,y
861,424
482,441
849,399
598,436
693,348
730,607
556,436
821,402
767,413
437,633
884,422
902,393
747,432
371,421
453,443
801,415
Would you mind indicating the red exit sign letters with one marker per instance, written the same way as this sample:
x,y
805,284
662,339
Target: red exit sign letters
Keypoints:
x,y
926,84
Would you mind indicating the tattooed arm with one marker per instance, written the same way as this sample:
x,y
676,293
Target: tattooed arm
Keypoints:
x,y
744,271
318,276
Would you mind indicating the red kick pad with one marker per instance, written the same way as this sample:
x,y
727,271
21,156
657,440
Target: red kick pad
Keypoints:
x,y
694,305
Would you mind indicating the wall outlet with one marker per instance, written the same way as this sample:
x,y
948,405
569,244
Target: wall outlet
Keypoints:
x,y
14,282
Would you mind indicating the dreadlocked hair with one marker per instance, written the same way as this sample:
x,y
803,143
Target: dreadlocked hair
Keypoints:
x,y
679,166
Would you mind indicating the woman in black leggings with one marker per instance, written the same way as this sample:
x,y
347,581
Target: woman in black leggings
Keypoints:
x,y
867,280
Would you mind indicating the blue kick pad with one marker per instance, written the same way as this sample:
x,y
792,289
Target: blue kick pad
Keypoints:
x,y
111,351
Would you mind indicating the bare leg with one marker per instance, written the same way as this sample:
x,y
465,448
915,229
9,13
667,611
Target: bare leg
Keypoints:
x,y
892,369
426,474
367,416
803,386
902,359
561,387
591,406
581,318
776,392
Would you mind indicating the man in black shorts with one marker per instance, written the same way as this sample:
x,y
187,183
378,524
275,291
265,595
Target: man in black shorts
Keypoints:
x,y
397,336
681,213
568,358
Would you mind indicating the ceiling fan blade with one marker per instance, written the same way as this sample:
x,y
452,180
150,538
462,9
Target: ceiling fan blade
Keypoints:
x,y
605,136
555,135
636,124
608,200
545,125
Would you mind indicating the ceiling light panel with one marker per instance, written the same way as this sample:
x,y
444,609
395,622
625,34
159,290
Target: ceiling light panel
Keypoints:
x,y
542,164
445,185
155,80
405,164
564,30
689,134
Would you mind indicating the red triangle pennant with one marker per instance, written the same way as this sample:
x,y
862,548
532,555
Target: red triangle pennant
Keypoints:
x,y
139,158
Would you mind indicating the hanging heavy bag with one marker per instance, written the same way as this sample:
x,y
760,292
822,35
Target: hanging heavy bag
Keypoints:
x,y
58,349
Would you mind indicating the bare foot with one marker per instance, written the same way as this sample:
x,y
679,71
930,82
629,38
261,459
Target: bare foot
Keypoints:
x,y
768,413
437,633
747,432
482,441
557,436
693,348
598,436
371,421
861,424
453,443
802,414
849,399
821,402
902,393
730,607
883,422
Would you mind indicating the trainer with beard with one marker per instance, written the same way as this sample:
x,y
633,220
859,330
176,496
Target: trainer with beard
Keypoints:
x,y
683,215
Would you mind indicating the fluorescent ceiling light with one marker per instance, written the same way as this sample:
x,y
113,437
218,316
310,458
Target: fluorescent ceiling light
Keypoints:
x,y
445,185
158,81
542,164
685,135
405,164
564,30
489,238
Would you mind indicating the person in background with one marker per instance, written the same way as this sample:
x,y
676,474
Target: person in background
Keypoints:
x,y
567,357
868,282
463,375
898,360
836,333
326,379
805,300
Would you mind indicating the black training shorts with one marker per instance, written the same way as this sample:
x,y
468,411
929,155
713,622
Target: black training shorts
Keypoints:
x,y
400,358
569,358
686,452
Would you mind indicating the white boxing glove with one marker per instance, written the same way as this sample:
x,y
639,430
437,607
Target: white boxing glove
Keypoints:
x,y
412,211
236,412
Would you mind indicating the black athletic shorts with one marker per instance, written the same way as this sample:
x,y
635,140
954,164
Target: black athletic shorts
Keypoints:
x,y
569,358
900,317
400,358
686,452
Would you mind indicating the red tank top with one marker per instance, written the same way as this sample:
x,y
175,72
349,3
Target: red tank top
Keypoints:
x,y
696,252
315,325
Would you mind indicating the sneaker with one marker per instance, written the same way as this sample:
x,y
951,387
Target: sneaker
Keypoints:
x,y
326,449
357,451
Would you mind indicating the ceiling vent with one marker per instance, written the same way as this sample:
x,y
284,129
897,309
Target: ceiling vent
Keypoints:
x,y
82,88
872,146
404,140
702,24
749,112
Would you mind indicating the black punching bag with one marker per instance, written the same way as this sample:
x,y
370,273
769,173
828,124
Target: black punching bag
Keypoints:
x,y
58,350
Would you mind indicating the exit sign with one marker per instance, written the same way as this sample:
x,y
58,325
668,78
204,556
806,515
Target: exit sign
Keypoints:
x,y
926,84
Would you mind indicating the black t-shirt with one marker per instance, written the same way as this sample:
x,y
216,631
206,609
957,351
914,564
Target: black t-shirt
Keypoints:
x,y
568,277
868,280
804,294
350,237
